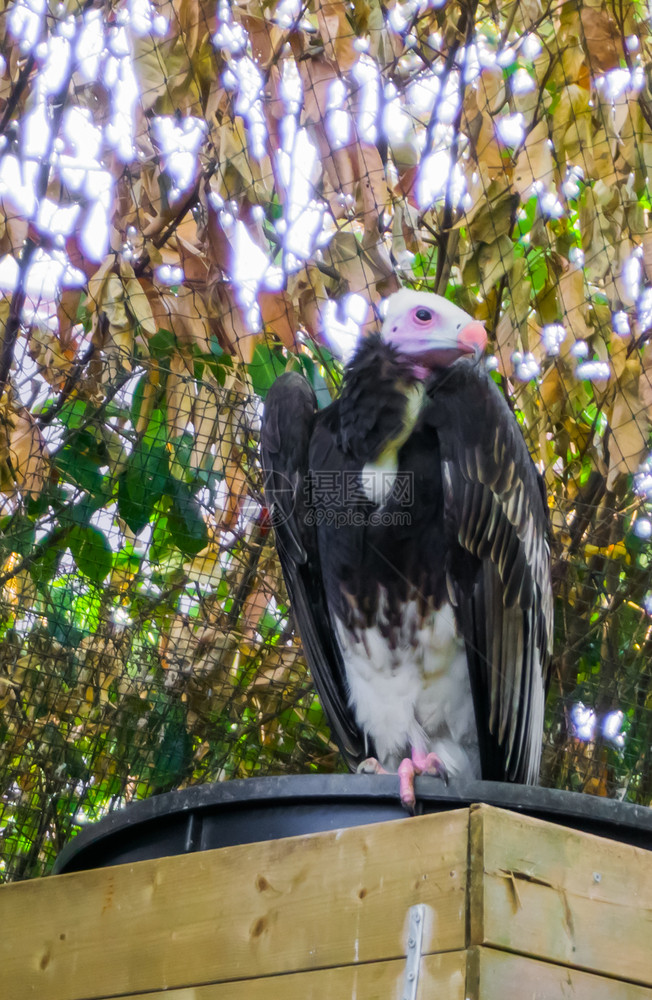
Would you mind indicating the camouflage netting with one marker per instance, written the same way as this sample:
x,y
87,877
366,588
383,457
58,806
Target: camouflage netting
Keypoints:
x,y
196,196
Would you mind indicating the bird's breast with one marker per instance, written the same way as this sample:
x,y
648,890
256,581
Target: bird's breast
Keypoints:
x,y
412,689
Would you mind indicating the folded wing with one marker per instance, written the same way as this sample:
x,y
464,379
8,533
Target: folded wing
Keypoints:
x,y
288,425
498,566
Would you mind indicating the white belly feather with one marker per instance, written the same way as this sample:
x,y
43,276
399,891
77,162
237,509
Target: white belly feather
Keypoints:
x,y
415,696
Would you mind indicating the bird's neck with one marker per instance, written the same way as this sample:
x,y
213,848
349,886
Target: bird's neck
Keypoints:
x,y
379,404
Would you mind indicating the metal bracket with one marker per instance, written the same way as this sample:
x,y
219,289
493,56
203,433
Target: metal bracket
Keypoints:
x,y
417,916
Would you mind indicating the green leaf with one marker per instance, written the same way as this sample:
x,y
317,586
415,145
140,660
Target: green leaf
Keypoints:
x,y
161,545
78,461
137,398
185,522
91,552
317,381
526,214
127,560
145,476
80,512
537,270
173,754
74,412
264,368
218,365
17,534
163,344
59,605
216,349
44,568
181,451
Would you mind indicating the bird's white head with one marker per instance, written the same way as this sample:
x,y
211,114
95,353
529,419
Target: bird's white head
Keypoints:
x,y
430,330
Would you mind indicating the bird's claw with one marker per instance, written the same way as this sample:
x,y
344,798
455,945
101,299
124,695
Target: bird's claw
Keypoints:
x,y
418,763
371,766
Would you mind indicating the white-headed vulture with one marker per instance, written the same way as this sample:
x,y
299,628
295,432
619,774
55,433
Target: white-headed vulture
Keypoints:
x,y
412,528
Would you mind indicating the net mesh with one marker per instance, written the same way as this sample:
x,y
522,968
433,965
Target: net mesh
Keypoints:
x,y
198,196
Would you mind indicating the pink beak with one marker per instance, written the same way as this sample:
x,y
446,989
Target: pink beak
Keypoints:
x,y
472,338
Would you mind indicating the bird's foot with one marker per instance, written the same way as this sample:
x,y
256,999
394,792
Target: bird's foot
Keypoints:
x,y
418,763
371,766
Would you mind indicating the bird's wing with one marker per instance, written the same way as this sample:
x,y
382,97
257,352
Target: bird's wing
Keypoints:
x,y
499,565
287,428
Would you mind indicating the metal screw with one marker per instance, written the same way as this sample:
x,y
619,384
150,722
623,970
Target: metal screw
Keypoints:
x,y
597,877
410,976
411,943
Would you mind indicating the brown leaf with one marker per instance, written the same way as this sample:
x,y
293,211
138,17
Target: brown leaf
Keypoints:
x,y
112,302
136,299
254,608
490,89
494,260
647,255
189,17
180,396
602,39
386,45
279,316
573,303
54,361
205,422
645,380
184,314
507,341
97,281
571,121
336,33
150,392
552,390
236,484
369,173
240,174
235,335
150,69
630,430
534,161
67,316
27,452
488,149
494,217
361,269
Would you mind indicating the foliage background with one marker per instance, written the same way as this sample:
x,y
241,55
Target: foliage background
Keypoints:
x,y
196,196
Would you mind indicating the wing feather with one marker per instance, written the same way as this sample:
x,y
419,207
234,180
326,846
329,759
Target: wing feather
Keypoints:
x,y
496,519
286,432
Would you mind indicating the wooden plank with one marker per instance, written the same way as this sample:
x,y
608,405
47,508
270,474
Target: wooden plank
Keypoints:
x,y
560,895
475,878
499,975
324,900
440,976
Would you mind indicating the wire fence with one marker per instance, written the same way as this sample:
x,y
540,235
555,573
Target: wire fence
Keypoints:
x,y
198,196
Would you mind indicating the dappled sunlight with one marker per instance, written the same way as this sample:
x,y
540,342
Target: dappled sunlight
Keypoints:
x,y
196,198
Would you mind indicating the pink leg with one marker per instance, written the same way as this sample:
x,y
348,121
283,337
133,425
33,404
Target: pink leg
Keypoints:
x,y
406,773
428,763
418,763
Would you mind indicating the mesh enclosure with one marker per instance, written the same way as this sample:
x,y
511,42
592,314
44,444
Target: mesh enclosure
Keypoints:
x,y
195,197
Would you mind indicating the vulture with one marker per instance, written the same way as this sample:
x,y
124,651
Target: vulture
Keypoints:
x,y
412,529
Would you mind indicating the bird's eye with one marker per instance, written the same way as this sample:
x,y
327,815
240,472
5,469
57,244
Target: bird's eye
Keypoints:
x,y
424,315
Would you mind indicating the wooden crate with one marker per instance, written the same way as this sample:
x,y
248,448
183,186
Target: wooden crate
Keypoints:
x,y
512,907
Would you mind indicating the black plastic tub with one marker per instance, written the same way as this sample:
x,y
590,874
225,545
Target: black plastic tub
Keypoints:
x,y
243,812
